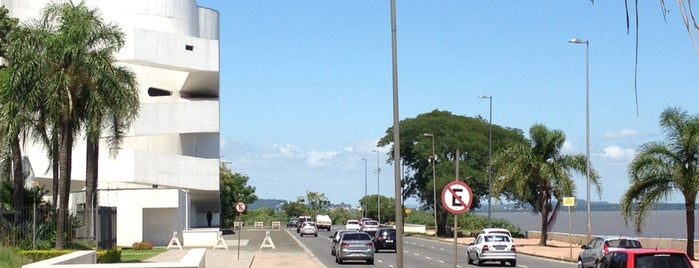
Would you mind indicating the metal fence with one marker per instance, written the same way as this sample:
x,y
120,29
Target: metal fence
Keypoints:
x,y
34,227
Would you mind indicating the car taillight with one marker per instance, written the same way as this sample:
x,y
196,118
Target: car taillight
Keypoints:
x,y
379,238
370,244
513,248
485,248
344,244
605,248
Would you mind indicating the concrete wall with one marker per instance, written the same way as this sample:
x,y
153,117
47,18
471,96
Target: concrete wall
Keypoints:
x,y
87,259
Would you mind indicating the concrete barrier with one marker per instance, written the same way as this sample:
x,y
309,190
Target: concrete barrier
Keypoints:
x,y
647,242
87,259
197,238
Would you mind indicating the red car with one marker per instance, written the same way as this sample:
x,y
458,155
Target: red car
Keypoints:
x,y
645,258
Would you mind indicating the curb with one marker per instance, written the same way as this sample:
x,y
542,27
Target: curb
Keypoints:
x,y
305,249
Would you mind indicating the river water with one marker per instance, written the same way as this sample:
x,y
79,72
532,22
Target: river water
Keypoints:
x,y
658,224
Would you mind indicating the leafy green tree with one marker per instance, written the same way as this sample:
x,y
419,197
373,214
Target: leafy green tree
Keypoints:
x,y
68,71
341,215
450,132
233,188
388,206
317,202
660,168
296,208
538,174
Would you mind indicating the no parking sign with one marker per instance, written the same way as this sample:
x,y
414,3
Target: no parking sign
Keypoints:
x,y
456,197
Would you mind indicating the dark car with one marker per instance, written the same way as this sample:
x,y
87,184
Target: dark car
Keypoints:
x,y
385,238
291,223
645,258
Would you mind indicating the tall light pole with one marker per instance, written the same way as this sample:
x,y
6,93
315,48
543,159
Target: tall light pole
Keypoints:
x,y
433,159
378,187
364,205
490,154
587,125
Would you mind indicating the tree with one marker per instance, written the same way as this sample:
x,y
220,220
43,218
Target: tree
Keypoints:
x,y
660,168
451,132
296,208
535,172
69,77
233,188
316,202
388,206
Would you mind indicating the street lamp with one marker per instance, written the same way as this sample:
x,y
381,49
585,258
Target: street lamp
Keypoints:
x,y
490,154
587,125
378,187
364,205
433,159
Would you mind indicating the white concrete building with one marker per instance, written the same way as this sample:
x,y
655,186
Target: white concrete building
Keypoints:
x,y
166,177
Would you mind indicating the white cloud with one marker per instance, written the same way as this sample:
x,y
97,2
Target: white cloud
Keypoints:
x,y
624,133
567,147
283,150
316,158
618,153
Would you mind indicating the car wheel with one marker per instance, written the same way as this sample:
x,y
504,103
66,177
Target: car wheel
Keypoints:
x,y
580,264
316,235
339,260
479,262
468,257
513,263
503,263
332,252
370,261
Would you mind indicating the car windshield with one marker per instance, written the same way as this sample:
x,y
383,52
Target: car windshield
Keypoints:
x,y
663,260
356,236
624,243
352,222
373,223
497,238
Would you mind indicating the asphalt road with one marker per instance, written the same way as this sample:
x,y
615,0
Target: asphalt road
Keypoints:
x,y
417,252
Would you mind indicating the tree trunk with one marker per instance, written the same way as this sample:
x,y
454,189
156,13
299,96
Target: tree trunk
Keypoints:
x,y
543,198
689,205
441,223
92,155
65,169
55,169
18,178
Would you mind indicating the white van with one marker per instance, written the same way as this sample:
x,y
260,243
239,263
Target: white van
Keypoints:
x,y
323,222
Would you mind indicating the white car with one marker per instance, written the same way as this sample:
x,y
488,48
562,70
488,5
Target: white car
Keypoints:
x,y
309,228
370,227
352,225
492,247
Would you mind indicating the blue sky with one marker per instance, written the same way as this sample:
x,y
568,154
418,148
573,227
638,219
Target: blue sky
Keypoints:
x,y
306,87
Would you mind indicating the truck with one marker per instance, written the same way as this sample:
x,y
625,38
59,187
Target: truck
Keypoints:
x,y
323,222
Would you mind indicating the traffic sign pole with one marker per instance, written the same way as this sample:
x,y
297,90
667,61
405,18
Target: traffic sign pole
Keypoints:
x,y
456,198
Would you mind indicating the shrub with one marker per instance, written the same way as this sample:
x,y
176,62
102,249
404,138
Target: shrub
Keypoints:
x,y
112,255
38,255
145,245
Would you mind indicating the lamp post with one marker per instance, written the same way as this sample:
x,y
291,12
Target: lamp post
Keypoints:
x,y
433,159
587,125
378,187
490,154
364,206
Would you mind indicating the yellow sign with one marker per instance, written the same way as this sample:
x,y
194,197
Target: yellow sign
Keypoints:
x,y
408,210
569,201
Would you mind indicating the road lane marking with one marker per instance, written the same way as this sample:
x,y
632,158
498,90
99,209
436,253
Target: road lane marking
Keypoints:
x,y
441,261
428,257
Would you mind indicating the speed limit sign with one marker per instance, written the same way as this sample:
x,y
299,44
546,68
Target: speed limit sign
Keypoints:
x,y
240,207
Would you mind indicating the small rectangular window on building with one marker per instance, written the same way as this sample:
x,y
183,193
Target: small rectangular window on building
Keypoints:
x,y
189,47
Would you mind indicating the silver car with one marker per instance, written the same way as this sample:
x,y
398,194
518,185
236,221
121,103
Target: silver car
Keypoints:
x,y
598,246
492,247
336,237
354,246
309,228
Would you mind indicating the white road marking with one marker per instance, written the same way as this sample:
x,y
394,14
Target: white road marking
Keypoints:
x,y
441,261
416,254
428,257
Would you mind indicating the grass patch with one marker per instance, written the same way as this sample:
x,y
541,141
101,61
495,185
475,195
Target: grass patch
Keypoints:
x,y
130,255
10,259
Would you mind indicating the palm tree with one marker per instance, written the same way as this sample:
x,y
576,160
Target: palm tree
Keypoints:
x,y
660,168
538,174
82,87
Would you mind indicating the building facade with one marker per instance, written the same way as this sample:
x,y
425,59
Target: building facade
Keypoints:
x,y
166,176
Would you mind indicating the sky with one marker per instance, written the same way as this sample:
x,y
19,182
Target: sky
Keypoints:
x,y
306,85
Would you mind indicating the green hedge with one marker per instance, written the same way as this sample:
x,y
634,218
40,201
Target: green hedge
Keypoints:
x,y
40,255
